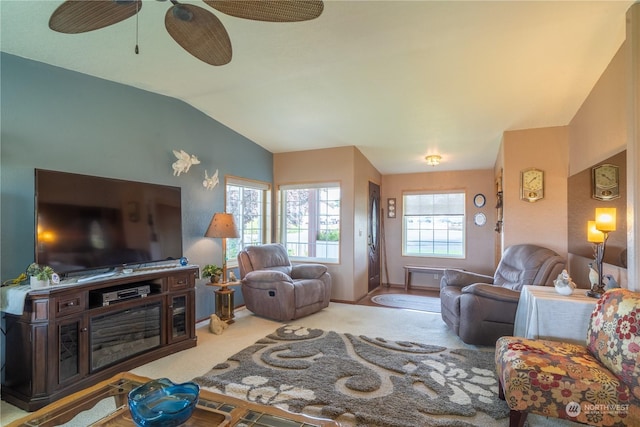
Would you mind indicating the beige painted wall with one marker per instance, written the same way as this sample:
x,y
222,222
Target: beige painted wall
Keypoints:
x,y
348,166
599,128
480,240
543,222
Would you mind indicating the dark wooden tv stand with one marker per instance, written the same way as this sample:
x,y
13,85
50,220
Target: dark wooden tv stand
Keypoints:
x,y
67,340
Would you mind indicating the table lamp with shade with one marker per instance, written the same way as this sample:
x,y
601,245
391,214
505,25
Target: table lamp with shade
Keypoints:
x,y
223,226
598,233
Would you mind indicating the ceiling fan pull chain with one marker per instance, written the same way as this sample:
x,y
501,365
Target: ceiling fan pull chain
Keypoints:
x,y
137,50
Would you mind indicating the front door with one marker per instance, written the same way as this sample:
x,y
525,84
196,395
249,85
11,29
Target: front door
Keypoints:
x,y
373,240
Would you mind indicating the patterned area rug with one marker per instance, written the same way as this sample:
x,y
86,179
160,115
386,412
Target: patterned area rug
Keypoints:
x,y
413,302
361,381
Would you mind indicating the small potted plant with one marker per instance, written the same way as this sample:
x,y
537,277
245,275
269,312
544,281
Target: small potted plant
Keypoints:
x,y
39,275
213,272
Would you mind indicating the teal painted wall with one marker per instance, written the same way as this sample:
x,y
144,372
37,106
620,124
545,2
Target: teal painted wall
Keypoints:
x,y
52,118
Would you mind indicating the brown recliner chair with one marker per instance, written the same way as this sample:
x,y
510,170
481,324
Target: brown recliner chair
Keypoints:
x,y
480,308
275,289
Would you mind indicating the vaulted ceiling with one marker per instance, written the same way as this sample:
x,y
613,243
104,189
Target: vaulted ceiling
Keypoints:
x,y
397,79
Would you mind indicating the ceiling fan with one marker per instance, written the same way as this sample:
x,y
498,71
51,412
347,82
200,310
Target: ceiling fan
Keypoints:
x,y
194,28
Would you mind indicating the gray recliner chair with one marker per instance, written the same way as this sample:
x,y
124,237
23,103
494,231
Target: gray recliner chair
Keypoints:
x,y
480,308
274,288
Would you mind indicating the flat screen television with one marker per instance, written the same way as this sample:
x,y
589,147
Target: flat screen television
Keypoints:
x,y
89,223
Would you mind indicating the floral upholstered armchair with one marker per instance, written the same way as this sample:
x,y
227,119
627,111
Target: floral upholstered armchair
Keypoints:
x,y
596,384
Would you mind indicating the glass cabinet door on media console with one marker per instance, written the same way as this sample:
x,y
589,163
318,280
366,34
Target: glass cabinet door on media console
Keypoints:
x,y
179,317
72,343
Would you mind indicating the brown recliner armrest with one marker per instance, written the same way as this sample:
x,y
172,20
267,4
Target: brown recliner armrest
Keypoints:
x,y
463,278
308,271
496,293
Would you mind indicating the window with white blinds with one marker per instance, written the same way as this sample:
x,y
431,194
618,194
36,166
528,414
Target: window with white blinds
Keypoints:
x,y
434,224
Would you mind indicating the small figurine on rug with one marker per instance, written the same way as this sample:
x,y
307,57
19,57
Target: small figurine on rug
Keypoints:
x,y
216,325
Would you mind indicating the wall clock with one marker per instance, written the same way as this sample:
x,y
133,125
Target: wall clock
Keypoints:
x,y
479,200
605,182
531,184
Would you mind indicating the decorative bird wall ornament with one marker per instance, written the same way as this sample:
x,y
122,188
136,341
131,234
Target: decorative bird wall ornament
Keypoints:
x,y
184,162
210,182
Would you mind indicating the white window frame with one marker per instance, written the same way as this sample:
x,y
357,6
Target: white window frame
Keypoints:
x,y
322,220
264,227
431,218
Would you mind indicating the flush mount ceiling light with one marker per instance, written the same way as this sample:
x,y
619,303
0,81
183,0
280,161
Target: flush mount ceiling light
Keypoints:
x,y
433,160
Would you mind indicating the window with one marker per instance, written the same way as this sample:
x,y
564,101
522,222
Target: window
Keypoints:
x,y
249,202
310,221
434,224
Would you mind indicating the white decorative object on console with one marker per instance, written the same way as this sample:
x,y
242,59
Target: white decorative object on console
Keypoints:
x,y
184,162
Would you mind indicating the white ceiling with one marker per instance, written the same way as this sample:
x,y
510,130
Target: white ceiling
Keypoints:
x,y
397,79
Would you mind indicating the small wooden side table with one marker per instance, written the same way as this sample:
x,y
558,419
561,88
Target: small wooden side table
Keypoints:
x,y
410,269
224,300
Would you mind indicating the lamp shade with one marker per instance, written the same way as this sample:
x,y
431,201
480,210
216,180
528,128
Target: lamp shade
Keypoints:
x,y
593,234
606,219
222,225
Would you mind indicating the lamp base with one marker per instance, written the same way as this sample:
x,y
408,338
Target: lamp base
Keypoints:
x,y
594,294
224,304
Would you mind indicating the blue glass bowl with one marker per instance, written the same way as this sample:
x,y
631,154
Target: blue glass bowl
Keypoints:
x,y
163,403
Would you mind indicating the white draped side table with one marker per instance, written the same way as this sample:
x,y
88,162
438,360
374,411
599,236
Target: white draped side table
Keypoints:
x,y
545,314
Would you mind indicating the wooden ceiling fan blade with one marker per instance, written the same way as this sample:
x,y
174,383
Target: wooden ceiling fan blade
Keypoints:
x,y
80,16
200,33
270,10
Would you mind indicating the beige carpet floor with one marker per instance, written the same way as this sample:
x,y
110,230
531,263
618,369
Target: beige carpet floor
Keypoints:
x,y
212,349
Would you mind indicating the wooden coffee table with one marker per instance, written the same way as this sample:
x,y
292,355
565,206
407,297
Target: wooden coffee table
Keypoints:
x,y
213,409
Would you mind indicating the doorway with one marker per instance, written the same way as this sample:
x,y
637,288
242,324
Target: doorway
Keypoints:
x,y
373,236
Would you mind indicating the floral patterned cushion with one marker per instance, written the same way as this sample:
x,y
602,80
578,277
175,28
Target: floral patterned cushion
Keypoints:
x,y
596,385
614,335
